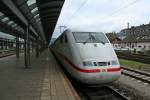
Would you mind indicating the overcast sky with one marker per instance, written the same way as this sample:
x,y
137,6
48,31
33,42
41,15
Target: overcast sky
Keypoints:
x,y
103,15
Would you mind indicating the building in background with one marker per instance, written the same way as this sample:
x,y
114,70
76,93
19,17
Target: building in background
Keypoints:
x,y
115,40
122,34
138,43
136,38
133,39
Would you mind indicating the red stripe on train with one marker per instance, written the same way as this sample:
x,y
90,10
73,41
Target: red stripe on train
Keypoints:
x,y
113,69
87,70
81,70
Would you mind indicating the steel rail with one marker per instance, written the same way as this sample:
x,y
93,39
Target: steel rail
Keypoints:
x,y
106,92
118,93
130,74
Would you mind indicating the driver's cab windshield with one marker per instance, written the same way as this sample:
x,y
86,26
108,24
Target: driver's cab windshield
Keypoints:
x,y
90,37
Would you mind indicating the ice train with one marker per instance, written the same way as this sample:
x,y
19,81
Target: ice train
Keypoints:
x,y
87,56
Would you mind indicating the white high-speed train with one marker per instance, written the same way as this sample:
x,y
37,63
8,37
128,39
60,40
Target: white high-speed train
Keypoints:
x,y
87,56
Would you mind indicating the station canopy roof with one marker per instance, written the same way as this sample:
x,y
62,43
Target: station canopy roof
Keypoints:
x,y
41,15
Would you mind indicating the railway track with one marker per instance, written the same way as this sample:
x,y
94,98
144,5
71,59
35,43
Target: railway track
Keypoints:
x,y
101,93
8,53
1,56
135,57
139,75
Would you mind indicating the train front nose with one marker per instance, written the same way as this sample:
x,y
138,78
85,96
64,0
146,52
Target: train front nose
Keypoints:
x,y
102,77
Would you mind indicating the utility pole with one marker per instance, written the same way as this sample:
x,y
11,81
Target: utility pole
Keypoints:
x,y
128,25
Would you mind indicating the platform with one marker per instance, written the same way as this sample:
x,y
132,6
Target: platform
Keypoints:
x,y
45,80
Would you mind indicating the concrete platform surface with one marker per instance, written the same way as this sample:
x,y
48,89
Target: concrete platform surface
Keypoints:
x,y
43,81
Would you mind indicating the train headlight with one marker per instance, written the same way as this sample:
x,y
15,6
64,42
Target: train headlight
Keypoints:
x,y
87,63
114,62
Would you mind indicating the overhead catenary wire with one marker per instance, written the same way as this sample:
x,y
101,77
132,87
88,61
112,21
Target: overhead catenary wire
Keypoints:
x,y
78,9
116,11
124,7
120,9
104,19
109,15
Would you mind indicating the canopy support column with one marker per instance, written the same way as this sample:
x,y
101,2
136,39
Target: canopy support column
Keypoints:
x,y
17,47
27,48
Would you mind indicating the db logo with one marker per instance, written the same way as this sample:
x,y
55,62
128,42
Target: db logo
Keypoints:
x,y
104,70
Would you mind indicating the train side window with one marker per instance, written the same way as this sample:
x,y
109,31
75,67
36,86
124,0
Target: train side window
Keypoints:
x,y
61,39
66,40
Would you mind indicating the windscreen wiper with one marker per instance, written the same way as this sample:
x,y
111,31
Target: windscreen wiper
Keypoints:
x,y
94,39
97,39
91,37
87,39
